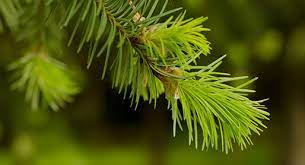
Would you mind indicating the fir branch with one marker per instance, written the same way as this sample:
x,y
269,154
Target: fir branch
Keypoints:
x,y
161,55
116,19
223,112
149,57
37,74
44,80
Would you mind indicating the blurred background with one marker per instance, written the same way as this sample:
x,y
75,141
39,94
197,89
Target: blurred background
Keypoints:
x,y
262,38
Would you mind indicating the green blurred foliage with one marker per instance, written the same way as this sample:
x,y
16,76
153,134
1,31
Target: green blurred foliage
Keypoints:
x,y
296,46
269,45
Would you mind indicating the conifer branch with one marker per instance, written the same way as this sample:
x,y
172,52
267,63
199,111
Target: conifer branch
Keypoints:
x,y
148,56
163,55
223,112
44,80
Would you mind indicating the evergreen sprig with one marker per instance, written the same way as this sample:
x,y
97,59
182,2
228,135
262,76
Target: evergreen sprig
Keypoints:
x,y
149,52
222,112
175,41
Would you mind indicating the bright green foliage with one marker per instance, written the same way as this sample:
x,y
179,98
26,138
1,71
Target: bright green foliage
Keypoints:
x,y
107,21
175,41
223,112
130,70
44,80
149,52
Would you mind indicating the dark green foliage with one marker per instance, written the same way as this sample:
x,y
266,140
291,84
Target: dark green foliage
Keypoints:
x,y
9,13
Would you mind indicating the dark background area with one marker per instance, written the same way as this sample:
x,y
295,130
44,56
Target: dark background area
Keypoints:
x,y
262,38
